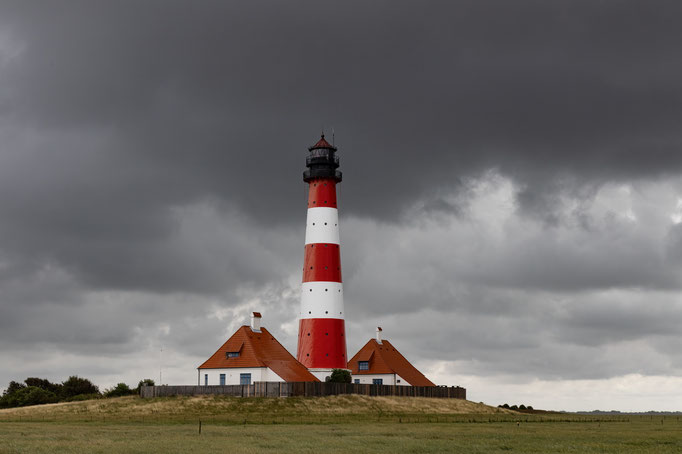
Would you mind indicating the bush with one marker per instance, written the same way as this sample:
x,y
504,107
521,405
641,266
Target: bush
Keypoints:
x,y
75,386
529,407
513,407
522,407
119,390
504,406
81,397
42,391
30,395
339,376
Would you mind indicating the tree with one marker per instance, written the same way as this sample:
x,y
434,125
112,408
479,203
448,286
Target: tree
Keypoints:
x,y
120,389
145,382
75,386
44,384
13,387
339,376
522,407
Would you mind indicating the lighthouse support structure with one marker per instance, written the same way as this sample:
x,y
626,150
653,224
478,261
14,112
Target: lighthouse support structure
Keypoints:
x,y
321,331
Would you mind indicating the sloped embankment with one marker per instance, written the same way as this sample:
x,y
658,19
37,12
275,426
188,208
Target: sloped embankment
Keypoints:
x,y
234,409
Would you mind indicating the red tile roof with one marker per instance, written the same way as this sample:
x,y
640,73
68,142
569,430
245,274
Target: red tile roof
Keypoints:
x,y
322,143
258,350
384,358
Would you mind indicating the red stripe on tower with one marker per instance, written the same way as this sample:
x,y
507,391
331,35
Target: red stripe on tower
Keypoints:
x,y
321,331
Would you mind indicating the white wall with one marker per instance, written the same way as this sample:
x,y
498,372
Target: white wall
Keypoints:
x,y
321,374
232,375
366,379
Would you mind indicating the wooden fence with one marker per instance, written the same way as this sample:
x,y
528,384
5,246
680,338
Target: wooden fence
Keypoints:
x,y
304,389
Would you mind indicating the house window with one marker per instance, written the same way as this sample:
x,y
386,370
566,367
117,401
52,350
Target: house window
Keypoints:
x,y
205,379
398,380
222,379
244,379
377,381
363,365
232,354
356,381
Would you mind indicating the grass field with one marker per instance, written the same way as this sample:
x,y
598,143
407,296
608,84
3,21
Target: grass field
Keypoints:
x,y
339,424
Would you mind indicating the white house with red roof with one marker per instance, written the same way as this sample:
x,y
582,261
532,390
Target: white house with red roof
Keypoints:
x,y
252,354
380,363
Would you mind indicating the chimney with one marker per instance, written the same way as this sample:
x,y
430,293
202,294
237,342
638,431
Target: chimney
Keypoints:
x,y
255,322
379,334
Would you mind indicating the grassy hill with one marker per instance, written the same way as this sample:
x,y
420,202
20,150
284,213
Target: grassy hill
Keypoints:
x,y
224,409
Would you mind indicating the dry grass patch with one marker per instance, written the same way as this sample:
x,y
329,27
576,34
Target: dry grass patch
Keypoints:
x,y
247,409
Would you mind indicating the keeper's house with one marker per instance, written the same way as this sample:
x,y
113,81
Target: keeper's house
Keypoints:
x,y
252,354
380,363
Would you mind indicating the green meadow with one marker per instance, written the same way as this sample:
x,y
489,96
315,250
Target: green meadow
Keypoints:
x,y
337,424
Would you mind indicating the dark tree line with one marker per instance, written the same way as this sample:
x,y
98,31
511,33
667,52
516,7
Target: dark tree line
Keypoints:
x,y
36,391
516,407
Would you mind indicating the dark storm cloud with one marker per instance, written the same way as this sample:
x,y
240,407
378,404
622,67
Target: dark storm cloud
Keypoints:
x,y
210,94
151,156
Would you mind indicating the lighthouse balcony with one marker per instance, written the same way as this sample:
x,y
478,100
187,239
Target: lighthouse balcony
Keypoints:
x,y
324,158
327,172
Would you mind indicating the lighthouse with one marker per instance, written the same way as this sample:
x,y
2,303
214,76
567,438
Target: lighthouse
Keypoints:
x,y
321,329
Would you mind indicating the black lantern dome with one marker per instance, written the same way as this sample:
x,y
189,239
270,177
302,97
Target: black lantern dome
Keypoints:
x,y
322,162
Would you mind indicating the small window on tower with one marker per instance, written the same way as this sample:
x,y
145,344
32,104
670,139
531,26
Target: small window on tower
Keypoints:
x,y
363,365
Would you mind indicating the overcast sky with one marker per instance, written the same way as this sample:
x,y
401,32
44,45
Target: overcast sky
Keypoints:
x,y
511,210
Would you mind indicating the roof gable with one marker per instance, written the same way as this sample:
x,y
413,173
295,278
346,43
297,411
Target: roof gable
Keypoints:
x,y
384,358
258,349
322,143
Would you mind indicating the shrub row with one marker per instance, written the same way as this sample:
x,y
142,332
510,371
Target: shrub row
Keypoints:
x,y
37,391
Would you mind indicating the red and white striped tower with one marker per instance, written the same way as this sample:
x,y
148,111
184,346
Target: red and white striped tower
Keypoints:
x,y
321,330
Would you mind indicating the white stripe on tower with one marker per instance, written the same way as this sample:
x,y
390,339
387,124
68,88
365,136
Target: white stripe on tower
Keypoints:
x,y
322,300
322,226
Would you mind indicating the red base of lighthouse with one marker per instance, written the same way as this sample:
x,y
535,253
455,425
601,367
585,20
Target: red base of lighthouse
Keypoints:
x,y
322,343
